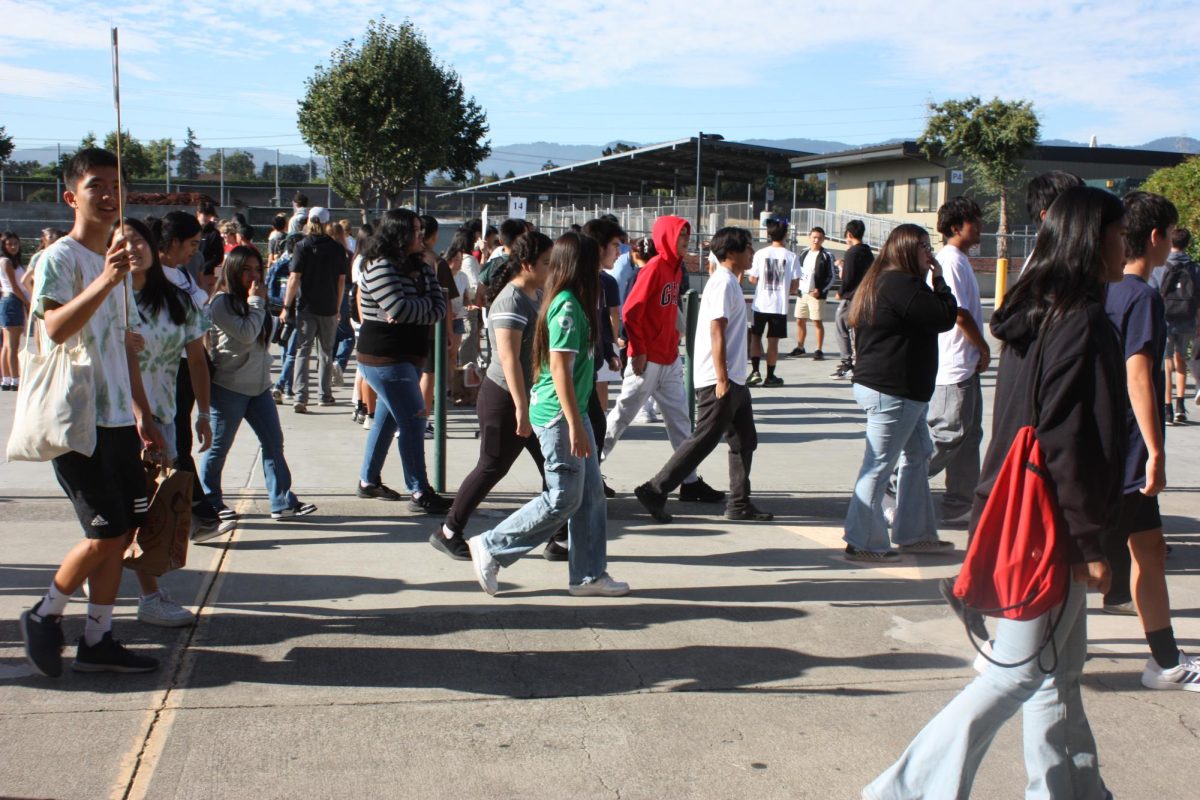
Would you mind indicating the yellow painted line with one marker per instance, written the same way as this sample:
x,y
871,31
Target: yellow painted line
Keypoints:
x,y
140,761
909,568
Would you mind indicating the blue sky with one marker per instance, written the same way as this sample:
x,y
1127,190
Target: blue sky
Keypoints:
x,y
592,71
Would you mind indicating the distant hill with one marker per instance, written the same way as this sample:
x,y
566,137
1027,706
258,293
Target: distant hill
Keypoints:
x,y
1170,144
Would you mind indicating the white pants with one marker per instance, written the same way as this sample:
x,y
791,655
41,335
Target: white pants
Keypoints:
x,y
663,382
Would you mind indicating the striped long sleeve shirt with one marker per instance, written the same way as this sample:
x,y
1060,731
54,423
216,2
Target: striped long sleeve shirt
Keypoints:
x,y
398,308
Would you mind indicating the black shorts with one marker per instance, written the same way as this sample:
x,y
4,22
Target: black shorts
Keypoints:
x,y
1138,513
775,325
107,488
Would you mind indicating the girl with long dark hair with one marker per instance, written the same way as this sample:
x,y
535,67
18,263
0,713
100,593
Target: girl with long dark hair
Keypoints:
x,y
169,327
897,318
1061,356
400,300
563,345
14,307
514,297
241,353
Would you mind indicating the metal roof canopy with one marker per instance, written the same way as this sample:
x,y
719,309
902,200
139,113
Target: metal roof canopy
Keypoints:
x,y
660,166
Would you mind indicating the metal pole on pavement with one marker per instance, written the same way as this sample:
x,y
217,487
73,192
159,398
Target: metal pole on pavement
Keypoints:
x,y
691,316
699,148
222,194
439,406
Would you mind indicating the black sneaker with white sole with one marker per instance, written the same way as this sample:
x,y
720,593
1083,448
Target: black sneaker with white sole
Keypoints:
x,y
378,492
298,510
750,513
109,655
700,492
43,638
455,547
225,513
871,556
429,502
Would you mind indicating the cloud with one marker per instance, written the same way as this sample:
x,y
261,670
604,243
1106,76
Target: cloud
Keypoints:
x,y
27,82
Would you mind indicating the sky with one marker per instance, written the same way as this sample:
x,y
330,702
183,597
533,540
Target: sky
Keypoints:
x,y
595,71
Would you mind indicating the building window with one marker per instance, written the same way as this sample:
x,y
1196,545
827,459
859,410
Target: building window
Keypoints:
x,y
922,195
879,197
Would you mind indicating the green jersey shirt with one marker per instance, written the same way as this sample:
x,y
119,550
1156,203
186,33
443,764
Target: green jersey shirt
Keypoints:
x,y
569,332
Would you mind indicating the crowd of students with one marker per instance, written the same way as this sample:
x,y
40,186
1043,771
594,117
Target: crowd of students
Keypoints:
x,y
180,313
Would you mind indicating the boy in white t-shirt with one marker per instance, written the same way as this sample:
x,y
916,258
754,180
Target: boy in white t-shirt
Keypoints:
x,y
723,408
773,275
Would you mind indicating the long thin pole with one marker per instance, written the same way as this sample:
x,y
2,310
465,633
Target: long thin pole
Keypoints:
x,y
699,147
116,66
278,198
222,193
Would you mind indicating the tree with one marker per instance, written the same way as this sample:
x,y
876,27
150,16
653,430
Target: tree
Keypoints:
x,y
1181,185
387,113
549,165
288,173
509,174
619,147
22,169
990,140
239,165
89,141
161,153
6,147
188,164
134,157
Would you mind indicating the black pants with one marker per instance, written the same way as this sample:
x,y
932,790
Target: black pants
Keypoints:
x,y
598,417
731,417
185,401
499,446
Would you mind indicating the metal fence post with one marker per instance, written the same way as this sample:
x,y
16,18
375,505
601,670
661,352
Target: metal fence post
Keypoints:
x,y
691,316
439,406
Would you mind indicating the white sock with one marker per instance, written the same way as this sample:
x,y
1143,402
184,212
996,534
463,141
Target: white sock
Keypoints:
x,y
54,603
5,381
447,533
99,622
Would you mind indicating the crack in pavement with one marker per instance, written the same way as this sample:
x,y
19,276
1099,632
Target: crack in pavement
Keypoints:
x,y
583,745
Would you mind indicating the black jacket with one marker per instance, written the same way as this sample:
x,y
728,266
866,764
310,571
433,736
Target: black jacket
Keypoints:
x,y
824,274
1081,429
855,263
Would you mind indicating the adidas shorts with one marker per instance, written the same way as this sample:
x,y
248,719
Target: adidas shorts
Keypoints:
x,y
107,488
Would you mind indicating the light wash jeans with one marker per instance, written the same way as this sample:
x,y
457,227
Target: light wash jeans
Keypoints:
x,y
228,409
896,433
574,494
398,406
660,382
1060,752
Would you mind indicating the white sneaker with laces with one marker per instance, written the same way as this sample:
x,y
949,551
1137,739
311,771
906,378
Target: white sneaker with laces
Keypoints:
x,y
604,586
485,566
889,510
159,609
1184,677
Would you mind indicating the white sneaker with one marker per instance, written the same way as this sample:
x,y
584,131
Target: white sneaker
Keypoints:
x,y
367,422
641,418
159,609
604,586
485,566
337,376
981,658
889,510
1185,676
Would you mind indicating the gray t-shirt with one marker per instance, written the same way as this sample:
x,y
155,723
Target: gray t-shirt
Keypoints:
x,y
512,309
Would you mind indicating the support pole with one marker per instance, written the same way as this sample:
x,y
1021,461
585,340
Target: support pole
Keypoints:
x,y
278,197
699,162
439,406
691,315
221,196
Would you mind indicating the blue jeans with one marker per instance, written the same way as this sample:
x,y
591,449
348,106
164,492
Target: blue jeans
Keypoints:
x,y
574,494
398,406
1060,752
284,384
229,408
896,432
344,343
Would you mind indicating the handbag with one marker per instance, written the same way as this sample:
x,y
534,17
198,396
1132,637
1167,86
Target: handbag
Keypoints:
x,y
1016,566
160,544
56,402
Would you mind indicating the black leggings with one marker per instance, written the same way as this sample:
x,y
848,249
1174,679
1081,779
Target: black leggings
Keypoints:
x,y
499,446
185,401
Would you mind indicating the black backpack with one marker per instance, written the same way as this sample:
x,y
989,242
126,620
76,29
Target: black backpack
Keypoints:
x,y
1178,290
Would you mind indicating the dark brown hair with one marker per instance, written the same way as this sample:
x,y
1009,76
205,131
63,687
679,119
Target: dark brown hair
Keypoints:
x,y
900,253
574,268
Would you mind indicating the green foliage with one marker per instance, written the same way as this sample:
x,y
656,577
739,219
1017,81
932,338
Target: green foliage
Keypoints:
x,y
22,169
43,195
189,163
1181,185
89,141
549,165
620,147
990,139
239,165
134,157
386,112
288,173
6,147
509,174
161,152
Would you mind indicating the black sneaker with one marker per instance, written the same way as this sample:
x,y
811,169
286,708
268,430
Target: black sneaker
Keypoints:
x,y
842,372
378,492
609,492
772,381
750,513
971,618
43,639
755,379
797,351
455,546
555,551
818,355
700,492
298,510
653,502
109,655
225,514
430,502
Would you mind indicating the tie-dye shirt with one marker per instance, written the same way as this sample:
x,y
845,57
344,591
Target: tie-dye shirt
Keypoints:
x,y
165,344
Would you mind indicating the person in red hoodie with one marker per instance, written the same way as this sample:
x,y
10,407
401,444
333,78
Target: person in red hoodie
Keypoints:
x,y
655,369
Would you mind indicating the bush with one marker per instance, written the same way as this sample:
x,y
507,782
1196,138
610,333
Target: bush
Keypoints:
x,y
43,195
1181,185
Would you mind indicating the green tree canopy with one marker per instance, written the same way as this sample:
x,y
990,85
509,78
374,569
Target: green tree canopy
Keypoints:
x,y
160,152
134,157
989,138
189,163
239,165
386,112
1181,185
89,140
6,147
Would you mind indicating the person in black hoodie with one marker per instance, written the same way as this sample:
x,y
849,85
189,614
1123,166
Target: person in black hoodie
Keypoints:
x,y
896,319
854,264
1061,355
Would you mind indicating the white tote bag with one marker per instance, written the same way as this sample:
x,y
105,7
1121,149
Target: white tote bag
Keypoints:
x,y
56,403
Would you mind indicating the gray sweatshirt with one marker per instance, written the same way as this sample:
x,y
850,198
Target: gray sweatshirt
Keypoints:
x,y
241,362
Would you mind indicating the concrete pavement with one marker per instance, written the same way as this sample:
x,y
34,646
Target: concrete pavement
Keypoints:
x,y
341,656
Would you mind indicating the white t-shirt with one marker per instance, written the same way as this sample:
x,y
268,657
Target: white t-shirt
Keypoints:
x,y
805,271
774,268
722,299
462,283
957,357
471,268
63,271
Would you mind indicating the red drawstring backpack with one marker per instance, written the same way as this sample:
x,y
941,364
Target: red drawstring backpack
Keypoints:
x,y
1016,567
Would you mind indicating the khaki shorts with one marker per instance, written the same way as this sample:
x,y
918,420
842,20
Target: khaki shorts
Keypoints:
x,y
808,307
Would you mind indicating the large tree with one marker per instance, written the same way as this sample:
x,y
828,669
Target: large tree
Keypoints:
x,y
239,165
161,153
1181,185
990,139
134,157
6,147
386,112
188,164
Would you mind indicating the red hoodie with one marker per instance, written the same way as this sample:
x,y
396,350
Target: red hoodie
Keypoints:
x,y
652,308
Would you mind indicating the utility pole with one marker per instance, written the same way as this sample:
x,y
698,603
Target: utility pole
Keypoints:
x,y
278,197
58,174
221,198
699,149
